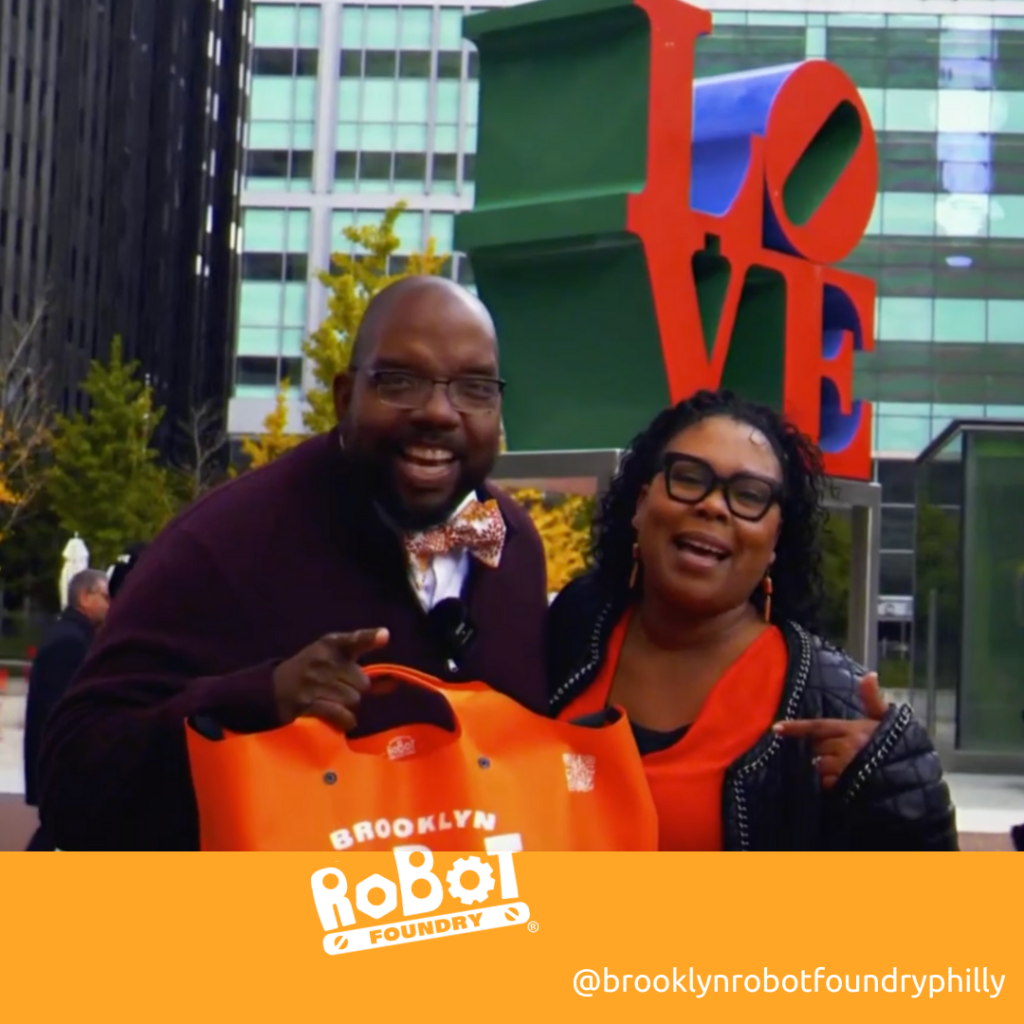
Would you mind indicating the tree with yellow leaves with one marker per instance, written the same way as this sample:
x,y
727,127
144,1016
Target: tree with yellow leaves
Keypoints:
x,y
8,499
275,439
7,496
351,283
563,522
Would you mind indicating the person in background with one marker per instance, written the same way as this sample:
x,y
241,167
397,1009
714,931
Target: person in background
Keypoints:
x,y
380,540
123,566
59,658
699,618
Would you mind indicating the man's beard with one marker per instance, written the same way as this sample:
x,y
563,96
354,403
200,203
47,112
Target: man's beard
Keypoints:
x,y
376,483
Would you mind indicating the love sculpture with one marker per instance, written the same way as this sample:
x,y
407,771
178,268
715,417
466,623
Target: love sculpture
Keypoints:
x,y
639,235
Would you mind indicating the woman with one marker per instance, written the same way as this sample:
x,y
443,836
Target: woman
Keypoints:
x,y
699,617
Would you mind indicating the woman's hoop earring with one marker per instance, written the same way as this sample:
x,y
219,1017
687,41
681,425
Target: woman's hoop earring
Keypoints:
x,y
767,586
635,571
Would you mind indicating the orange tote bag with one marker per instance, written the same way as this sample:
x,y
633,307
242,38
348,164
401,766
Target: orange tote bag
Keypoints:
x,y
495,777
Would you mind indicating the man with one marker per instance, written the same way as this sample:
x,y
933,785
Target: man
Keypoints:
x,y
380,541
59,657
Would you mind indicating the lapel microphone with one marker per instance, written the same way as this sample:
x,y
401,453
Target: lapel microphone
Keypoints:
x,y
452,628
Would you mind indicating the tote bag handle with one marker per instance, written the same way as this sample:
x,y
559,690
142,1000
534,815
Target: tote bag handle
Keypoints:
x,y
432,702
379,675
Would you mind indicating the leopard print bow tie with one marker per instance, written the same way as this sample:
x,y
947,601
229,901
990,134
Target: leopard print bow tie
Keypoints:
x,y
479,528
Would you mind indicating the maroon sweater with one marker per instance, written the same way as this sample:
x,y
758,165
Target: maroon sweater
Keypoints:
x,y
247,577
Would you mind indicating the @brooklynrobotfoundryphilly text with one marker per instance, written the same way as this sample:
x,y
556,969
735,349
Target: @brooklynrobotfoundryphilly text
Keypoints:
x,y
973,981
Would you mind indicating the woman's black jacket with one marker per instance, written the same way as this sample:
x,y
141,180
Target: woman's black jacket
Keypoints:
x,y
892,797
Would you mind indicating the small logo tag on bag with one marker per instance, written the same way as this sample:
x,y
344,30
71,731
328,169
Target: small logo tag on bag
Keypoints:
x,y
579,772
401,746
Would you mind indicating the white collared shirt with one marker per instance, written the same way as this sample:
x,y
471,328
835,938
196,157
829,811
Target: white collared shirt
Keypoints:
x,y
447,574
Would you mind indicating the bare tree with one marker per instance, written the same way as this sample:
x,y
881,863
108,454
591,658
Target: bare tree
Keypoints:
x,y
202,440
26,415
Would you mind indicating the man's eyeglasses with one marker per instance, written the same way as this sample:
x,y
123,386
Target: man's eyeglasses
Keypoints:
x,y
405,390
690,480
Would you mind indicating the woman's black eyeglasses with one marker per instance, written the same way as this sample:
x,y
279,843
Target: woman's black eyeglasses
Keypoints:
x,y
690,480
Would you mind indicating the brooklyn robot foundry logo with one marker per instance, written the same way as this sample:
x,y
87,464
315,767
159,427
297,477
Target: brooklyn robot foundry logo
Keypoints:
x,y
468,890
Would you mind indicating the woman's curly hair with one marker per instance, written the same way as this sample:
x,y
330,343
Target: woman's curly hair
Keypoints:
x,y
797,584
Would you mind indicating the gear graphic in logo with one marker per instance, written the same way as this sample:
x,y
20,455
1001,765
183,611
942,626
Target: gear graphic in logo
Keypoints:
x,y
481,870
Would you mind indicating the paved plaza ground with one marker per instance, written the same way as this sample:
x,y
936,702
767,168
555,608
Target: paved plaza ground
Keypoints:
x,y
987,805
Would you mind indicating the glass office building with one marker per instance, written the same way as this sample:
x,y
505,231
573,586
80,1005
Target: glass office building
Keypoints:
x,y
353,105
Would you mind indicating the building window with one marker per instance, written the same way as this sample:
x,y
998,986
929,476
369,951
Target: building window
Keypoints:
x,y
732,48
400,99
282,126
896,572
898,480
897,528
274,294
254,372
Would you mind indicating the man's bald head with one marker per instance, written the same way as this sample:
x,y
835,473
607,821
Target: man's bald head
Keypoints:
x,y
419,408
390,301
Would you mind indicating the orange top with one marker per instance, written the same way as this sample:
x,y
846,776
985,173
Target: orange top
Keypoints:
x,y
686,779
